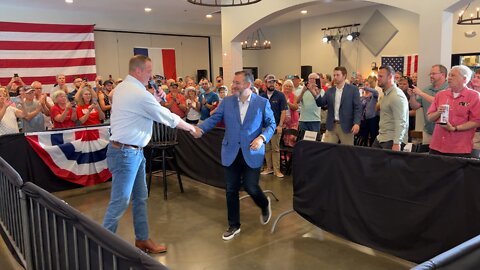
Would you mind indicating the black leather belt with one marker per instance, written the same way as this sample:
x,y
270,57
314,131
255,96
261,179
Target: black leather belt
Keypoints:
x,y
124,145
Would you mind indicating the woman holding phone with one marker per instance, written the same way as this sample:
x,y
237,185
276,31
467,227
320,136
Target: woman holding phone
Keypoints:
x,y
88,112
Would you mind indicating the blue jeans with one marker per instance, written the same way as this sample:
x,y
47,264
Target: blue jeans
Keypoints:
x,y
235,175
128,180
310,126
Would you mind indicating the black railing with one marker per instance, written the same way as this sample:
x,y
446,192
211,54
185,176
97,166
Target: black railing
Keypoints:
x,y
44,232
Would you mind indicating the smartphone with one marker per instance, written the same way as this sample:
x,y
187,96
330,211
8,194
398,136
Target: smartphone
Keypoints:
x,y
318,83
15,75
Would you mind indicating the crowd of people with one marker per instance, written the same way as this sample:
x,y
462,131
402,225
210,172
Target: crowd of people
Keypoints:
x,y
376,111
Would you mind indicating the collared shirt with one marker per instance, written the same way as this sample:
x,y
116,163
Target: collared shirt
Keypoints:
x,y
133,111
463,108
211,98
393,116
338,100
243,106
431,91
175,108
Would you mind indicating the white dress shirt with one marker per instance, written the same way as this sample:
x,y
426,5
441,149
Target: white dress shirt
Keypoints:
x,y
243,106
133,111
338,99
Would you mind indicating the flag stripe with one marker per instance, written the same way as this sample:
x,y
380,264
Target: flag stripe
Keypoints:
x,y
51,28
46,54
169,65
52,37
43,45
46,63
72,154
45,80
38,72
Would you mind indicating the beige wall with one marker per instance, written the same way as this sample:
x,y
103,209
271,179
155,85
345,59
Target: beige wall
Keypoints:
x,y
113,50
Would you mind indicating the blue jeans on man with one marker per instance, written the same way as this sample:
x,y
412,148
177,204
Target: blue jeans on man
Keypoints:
x,y
128,180
235,175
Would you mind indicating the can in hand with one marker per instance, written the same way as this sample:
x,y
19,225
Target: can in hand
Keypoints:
x,y
444,115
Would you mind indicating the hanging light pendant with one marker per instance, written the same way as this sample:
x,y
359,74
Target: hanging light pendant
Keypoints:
x,y
469,15
223,3
256,41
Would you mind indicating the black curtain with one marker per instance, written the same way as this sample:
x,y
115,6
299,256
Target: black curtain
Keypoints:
x,y
413,206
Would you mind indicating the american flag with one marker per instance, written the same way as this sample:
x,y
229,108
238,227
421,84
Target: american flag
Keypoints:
x,y
39,52
75,155
406,64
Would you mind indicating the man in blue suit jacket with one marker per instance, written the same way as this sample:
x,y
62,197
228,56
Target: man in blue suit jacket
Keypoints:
x,y
344,109
249,124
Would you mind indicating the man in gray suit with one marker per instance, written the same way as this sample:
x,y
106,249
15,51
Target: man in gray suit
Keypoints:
x,y
344,109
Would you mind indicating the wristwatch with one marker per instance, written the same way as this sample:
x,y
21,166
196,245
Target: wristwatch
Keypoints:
x,y
455,128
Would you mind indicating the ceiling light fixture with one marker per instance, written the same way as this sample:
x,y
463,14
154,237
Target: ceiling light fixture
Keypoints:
x,y
352,36
69,1
474,18
304,12
210,15
223,3
256,41
147,9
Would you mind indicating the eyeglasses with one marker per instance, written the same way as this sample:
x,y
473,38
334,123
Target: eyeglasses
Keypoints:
x,y
37,88
219,81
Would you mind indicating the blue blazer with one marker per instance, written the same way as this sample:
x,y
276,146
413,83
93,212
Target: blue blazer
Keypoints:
x,y
239,136
350,111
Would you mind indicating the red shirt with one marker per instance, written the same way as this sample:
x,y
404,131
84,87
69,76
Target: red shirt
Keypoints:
x,y
67,122
93,118
464,108
175,107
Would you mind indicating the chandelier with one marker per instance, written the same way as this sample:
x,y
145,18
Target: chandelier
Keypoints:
x,y
464,19
256,41
223,3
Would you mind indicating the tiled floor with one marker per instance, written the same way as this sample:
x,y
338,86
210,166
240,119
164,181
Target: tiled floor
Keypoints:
x,y
191,225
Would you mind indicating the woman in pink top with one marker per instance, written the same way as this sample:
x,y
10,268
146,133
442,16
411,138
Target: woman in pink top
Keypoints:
x,y
292,116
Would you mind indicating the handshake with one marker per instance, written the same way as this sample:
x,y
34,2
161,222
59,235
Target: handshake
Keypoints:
x,y
196,132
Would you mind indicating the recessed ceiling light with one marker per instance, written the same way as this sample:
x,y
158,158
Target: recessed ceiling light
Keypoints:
x,y
147,9
209,16
69,1
304,12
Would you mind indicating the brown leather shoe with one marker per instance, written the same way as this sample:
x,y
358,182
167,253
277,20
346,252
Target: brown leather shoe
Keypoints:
x,y
149,246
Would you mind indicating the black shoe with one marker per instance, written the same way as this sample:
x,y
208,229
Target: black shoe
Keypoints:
x,y
266,213
230,233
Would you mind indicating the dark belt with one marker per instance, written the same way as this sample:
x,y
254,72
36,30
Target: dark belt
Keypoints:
x,y
123,145
336,121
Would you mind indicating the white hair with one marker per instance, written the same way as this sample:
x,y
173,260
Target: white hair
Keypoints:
x,y
465,71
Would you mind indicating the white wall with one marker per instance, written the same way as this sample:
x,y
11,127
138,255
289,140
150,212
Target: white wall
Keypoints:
x,y
114,49
284,56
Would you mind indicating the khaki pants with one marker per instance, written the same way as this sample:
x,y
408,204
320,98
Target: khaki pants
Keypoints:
x,y
272,152
337,134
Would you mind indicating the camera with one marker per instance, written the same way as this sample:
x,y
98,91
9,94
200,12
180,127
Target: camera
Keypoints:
x,y
85,79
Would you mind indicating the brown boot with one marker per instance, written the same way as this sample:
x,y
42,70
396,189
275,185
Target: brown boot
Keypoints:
x,y
149,246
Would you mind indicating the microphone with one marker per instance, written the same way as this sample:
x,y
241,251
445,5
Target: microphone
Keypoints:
x,y
154,85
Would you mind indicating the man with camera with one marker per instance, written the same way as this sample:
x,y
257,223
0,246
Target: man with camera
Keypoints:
x,y
309,110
